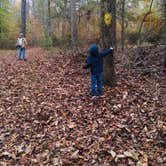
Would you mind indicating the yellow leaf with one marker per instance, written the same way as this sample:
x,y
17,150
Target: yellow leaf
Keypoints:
x,y
108,19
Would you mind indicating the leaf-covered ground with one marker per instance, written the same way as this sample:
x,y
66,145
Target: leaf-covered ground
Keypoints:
x,y
48,118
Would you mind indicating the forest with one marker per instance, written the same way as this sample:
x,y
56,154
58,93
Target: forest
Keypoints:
x,y
83,82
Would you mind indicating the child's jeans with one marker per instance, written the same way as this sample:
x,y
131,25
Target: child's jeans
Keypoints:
x,y
96,83
21,53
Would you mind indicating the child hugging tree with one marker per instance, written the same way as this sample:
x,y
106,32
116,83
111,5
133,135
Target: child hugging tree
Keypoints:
x,y
95,63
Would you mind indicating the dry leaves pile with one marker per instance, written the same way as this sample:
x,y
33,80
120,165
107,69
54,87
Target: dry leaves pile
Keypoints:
x,y
48,118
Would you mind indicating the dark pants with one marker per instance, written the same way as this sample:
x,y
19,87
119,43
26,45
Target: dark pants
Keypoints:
x,y
96,84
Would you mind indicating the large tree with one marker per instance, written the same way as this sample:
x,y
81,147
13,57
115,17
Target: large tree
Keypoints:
x,y
23,17
108,33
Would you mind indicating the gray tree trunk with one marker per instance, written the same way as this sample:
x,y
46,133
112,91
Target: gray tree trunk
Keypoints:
x,y
45,15
112,9
123,21
23,17
39,10
73,23
34,8
27,8
64,19
165,31
49,18
108,39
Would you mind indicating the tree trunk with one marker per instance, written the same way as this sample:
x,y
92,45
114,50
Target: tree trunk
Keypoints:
x,y
143,20
33,8
27,9
64,19
23,17
39,6
122,31
45,15
73,23
0,24
49,18
165,31
108,34
112,9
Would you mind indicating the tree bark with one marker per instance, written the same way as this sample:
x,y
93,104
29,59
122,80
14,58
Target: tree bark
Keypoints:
x,y
27,9
112,9
49,18
45,15
23,17
39,10
64,19
165,31
73,23
34,8
123,21
108,34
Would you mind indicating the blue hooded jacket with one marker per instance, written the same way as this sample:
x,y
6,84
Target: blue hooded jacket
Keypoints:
x,y
95,59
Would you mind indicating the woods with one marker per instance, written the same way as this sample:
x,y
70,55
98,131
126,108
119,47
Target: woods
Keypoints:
x,y
83,82
54,15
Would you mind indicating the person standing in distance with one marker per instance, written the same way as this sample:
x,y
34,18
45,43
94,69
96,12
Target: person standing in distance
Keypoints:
x,y
21,45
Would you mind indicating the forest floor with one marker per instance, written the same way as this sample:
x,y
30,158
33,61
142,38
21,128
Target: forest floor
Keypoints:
x,y
47,116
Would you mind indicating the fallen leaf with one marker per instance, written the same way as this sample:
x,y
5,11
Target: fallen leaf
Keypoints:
x,y
112,153
132,154
75,155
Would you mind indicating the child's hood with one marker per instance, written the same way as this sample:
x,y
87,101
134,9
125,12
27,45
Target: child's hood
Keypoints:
x,y
94,50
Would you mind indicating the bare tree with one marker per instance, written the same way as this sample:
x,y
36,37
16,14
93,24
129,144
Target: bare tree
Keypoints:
x,y
64,18
33,8
73,23
27,8
23,17
123,21
49,18
45,15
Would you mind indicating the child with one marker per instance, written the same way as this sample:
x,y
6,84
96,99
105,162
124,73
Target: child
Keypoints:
x,y
21,44
95,63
